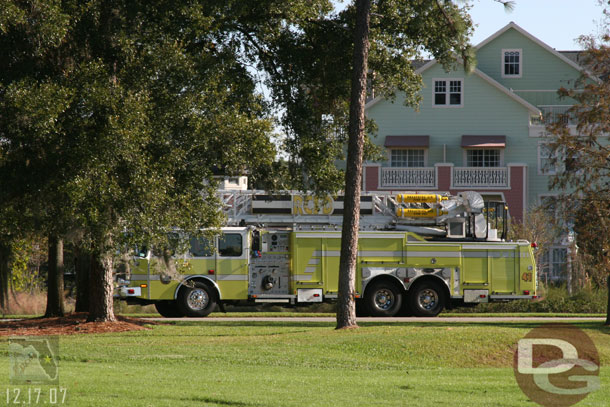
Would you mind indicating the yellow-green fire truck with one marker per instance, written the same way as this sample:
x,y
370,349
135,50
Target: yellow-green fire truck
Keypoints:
x,y
417,254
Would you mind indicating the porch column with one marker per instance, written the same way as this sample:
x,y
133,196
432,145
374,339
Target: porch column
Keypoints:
x,y
516,196
370,178
444,171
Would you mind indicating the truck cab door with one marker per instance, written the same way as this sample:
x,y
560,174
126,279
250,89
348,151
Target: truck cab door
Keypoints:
x,y
232,256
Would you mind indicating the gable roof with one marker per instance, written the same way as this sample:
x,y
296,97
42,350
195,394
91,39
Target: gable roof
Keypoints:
x,y
541,43
480,74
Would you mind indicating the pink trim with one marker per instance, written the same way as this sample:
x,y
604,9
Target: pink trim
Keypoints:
x,y
371,178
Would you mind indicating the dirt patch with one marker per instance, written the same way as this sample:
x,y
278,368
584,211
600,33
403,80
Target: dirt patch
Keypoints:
x,y
70,324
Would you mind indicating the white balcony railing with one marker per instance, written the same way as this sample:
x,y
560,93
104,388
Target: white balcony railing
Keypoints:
x,y
553,114
480,177
396,177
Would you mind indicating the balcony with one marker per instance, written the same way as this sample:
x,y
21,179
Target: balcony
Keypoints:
x,y
453,177
551,114
408,178
480,177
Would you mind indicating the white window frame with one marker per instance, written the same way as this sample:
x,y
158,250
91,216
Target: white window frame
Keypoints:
x,y
541,170
447,92
465,156
408,148
502,63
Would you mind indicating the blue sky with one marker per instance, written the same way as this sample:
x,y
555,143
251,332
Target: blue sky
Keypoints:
x,y
555,22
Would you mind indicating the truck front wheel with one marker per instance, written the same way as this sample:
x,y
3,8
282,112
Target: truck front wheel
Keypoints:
x,y
427,299
383,299
168,309
196,299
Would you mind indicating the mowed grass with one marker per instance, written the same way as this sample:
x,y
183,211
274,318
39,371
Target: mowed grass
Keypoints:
x,y
222,363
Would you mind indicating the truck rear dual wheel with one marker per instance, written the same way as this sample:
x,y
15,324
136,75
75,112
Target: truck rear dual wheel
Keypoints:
x,y
196,299
383,299
426,299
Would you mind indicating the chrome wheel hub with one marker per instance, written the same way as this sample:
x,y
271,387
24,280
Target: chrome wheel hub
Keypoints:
x,y
384,299
198,299
428,299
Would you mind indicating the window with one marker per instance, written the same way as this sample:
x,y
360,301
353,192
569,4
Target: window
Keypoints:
x,y
407,158
511,63
554,263
483,158
201,247
448,92
545,159
230,245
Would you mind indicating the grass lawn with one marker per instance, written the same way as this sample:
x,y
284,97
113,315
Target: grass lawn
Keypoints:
x,y
221,363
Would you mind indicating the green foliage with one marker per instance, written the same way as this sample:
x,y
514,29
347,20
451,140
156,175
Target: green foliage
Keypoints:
x,y
26,259
554,300
116,116
582,159
305,54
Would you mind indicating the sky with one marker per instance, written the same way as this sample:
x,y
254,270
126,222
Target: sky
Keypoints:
x,y
556,22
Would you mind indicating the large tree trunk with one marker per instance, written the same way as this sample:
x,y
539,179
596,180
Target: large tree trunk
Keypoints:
x,y
101,289
5,258
608,306
55,279
82,265
346,310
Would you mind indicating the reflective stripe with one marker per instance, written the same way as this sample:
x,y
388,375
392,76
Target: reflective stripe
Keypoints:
x,y
313,262
361,235
488,247
310,269
363,253
433,254
492,254
379,253
231,277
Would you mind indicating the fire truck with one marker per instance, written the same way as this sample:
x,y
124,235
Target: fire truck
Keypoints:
x,y
418,253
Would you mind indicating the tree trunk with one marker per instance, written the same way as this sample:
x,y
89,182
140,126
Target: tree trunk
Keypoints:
x,y
5,258
82,266
346,310
101,289
608,306
55,278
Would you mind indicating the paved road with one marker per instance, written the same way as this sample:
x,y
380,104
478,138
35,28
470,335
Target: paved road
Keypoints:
x,y
394,319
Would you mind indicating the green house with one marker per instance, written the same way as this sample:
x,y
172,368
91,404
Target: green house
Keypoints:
x,y
483,131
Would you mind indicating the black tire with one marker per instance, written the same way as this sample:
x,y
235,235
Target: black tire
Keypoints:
x,y
383,299
427,299
196,299
361,309
168,309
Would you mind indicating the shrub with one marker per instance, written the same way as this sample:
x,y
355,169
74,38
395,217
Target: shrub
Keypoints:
x,y
554,300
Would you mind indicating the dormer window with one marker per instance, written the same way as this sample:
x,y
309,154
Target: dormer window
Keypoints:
x,y
511,63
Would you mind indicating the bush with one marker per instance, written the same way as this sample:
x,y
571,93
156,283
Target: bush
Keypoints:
x,y
554,300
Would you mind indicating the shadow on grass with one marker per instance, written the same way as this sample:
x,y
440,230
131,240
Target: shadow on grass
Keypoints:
x,y
590,325
220,402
